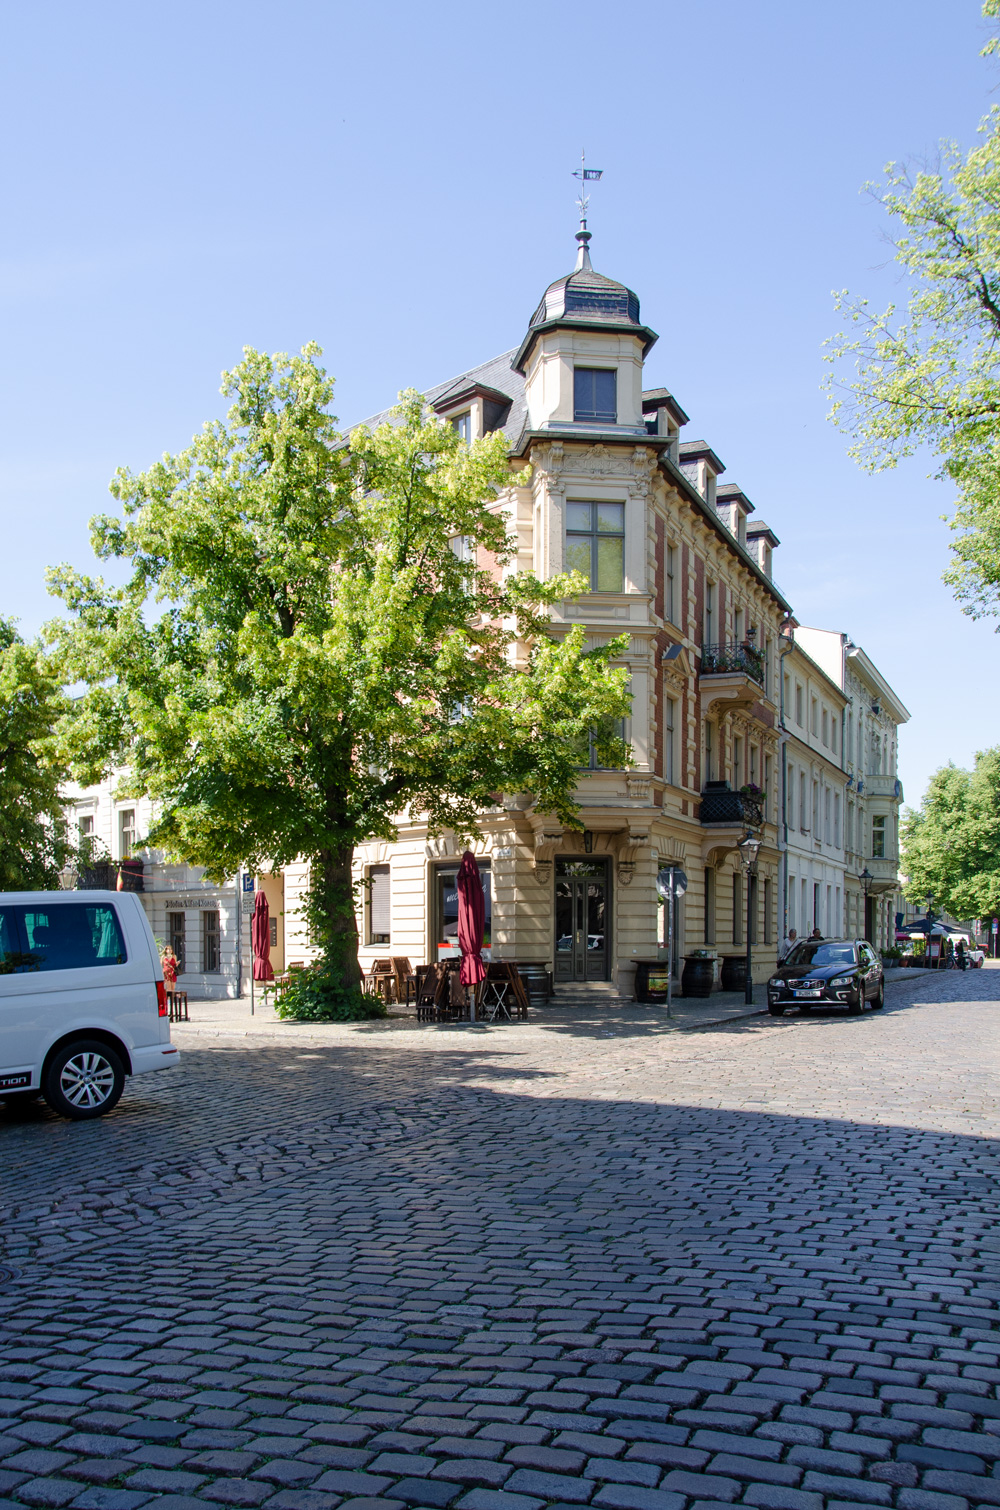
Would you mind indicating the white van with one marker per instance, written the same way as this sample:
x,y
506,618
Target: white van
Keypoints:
x,y
82,1000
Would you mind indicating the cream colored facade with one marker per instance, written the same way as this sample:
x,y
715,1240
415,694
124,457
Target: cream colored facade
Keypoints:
x,y
813,885
873,792
691,575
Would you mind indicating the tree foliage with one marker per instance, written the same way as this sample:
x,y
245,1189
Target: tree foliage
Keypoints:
x,y
929,376
323,657
950,848
33,845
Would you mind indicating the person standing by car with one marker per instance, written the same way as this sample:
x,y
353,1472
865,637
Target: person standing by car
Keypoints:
x,y
788,943
815,935
962,962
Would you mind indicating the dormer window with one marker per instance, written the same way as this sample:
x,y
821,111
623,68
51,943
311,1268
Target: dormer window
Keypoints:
x,y
595,395
463,424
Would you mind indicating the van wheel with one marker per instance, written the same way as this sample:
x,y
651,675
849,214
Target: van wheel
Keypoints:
x,y
83,1079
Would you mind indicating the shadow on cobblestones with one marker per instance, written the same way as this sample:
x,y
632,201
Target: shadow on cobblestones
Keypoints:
x,y
495,1276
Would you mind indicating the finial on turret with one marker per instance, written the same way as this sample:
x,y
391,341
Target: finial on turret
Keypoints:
x,y
583,236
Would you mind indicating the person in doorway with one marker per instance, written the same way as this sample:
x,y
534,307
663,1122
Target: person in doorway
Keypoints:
x,y
789,942
168,960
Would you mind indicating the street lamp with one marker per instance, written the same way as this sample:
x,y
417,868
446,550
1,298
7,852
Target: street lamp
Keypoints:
x,y
866,878
749,848
671,883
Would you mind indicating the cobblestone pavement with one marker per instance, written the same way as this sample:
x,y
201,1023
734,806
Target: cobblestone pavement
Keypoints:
x,y
557,1264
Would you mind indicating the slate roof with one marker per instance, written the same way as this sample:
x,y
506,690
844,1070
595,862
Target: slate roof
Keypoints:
x,y
496,373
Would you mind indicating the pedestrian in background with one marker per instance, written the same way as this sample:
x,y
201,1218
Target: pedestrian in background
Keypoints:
x,y
788,944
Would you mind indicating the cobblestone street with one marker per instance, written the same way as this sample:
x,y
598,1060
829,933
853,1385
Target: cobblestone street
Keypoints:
x,y
496,1269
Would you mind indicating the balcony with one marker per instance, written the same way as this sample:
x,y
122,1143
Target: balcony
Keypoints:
x,y
884,873
104,877
884,786
733,673
721,807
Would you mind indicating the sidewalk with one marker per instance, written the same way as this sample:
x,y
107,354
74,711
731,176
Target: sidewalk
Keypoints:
x,y
593,1008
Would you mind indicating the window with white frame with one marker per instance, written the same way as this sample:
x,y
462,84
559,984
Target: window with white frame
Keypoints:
x,y
126,832
878,838
85,825
379,905
462,424
709,625
670,606
211,953
798,705
670,741
595,544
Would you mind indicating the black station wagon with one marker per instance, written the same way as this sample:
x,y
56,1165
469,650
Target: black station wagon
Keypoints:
x,y
827,973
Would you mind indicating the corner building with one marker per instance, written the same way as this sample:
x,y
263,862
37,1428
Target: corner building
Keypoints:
x,y
601,481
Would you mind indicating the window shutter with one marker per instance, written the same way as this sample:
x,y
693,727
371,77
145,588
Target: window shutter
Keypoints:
x,y
380,909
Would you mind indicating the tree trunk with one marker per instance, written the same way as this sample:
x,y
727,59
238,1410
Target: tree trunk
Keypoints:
x,y
332,917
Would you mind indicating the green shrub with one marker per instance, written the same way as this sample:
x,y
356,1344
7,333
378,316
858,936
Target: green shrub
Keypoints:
x,y
312,996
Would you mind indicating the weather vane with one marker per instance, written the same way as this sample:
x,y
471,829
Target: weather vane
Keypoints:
x,y
585,175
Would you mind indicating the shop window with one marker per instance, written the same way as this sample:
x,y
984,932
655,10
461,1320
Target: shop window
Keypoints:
x,y
211,954
709,906
175,937
445,885
595,544
595,395
768,905
379,905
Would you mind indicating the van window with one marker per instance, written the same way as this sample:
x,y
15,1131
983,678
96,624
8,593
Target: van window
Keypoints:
x,y
10,942
68,936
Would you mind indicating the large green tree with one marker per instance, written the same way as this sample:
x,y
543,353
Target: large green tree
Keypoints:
x,y
319,633
33,846
929,376
950,848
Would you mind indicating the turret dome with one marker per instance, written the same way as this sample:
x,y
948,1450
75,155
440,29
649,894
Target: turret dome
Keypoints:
x,y
585,299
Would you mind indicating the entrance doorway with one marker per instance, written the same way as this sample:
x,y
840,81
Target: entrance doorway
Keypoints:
x,y
583,920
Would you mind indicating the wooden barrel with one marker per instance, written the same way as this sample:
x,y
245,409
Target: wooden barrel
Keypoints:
x,y
651,978
536,981
697,976
734,972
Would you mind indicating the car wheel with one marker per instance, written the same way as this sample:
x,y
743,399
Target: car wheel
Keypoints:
x,y
83,1079
858,1004
776,1010
880,998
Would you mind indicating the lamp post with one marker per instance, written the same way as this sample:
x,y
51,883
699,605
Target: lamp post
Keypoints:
x,y
749,848
866,878
671,883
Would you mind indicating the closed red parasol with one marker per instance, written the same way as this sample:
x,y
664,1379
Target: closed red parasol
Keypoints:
x,y
260,939
471,920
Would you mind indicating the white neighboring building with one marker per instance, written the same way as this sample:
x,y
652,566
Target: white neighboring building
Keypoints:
x,y
200,920
873,791
813,813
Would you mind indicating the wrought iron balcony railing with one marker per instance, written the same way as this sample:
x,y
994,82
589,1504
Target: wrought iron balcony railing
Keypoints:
x,y
736,655
720,804
104,876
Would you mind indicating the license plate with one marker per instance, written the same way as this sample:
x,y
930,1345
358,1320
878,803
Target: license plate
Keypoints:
x,y
807,993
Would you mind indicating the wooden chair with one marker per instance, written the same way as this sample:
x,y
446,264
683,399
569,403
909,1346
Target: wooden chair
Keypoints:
x,y
429,990
405,979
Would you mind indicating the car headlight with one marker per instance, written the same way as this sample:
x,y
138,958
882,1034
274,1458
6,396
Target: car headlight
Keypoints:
x,y
843,980
776,980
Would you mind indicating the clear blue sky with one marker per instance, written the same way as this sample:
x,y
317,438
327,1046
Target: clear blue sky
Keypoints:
x,y
183,180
